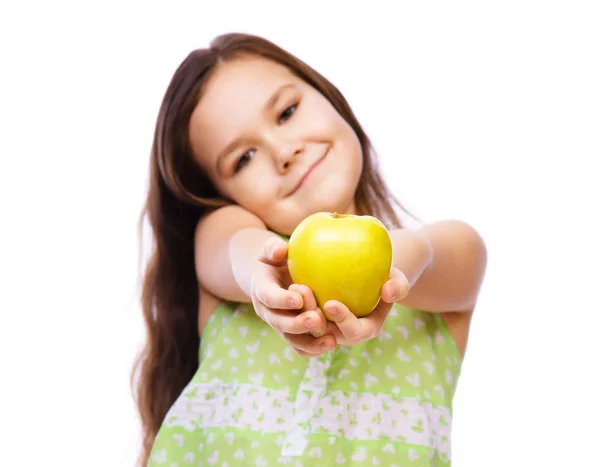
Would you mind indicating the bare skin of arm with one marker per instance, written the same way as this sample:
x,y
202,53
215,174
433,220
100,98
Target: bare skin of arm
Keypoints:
x,y
238,259
227,230
227,241
438,268
445,264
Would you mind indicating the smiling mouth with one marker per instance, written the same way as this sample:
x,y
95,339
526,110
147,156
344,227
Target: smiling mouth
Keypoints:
x,y
308,172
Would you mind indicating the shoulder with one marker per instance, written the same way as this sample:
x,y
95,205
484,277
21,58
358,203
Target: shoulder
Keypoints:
x,y
457,231
223,222
231,215
461,251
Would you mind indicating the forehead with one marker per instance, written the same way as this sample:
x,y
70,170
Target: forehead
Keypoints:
x,y
232,101
244,74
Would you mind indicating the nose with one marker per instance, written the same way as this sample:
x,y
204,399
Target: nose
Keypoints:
x,y
286,155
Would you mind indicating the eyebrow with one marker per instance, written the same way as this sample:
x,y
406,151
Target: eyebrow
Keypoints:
x,y
266,108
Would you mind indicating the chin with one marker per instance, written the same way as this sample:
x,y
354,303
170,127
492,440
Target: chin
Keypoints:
x,y
335,197
341,206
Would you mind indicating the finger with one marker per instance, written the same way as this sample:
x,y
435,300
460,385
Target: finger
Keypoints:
x,y
396,288
272,296
310,345
310,303
321,326
350,326
289,322
274,252
317,326
353,330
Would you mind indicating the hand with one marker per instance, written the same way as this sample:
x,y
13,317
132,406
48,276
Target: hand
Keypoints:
x,y
290,309
320,339
350,330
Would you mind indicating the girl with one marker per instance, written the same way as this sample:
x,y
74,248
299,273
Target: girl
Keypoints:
x,y
249,142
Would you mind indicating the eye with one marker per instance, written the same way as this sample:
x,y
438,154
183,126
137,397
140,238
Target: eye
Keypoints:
x,y
287,113
243,160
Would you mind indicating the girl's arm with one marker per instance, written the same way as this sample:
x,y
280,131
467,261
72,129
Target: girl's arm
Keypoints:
x,y
444,263
438,268
227,242
238,259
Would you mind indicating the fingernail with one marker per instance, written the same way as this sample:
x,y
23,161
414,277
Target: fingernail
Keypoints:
x,y
323,345
292,302
332,310
396,294
274,249
309,323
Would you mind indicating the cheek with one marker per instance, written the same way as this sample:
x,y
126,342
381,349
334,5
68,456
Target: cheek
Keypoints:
x,y
348,146
331,125
352,146
259,193
256,197
317,117
284,217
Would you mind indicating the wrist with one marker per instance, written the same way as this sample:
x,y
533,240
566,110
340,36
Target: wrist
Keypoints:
x,y
244,253
412,253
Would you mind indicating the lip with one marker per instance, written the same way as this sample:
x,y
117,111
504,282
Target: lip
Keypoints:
x,y
308,172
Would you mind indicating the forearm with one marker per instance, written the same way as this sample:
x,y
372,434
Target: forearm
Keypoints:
x,y
412,253
227,241
245,247
444,263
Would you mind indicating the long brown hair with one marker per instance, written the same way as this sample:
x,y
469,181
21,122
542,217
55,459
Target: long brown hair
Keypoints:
x,y
179,195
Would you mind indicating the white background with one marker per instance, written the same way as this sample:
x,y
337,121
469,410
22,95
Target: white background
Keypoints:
x,y
483,111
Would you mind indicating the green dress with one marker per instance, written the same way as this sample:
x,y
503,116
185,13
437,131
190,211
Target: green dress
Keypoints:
x,y
255,402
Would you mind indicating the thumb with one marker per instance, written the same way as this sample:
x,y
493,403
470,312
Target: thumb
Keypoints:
x,y
274,252
396,287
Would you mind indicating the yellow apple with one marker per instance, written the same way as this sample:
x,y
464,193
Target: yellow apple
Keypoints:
x,y
341,257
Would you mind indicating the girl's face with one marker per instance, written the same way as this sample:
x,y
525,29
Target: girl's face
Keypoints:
x,y
273,144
